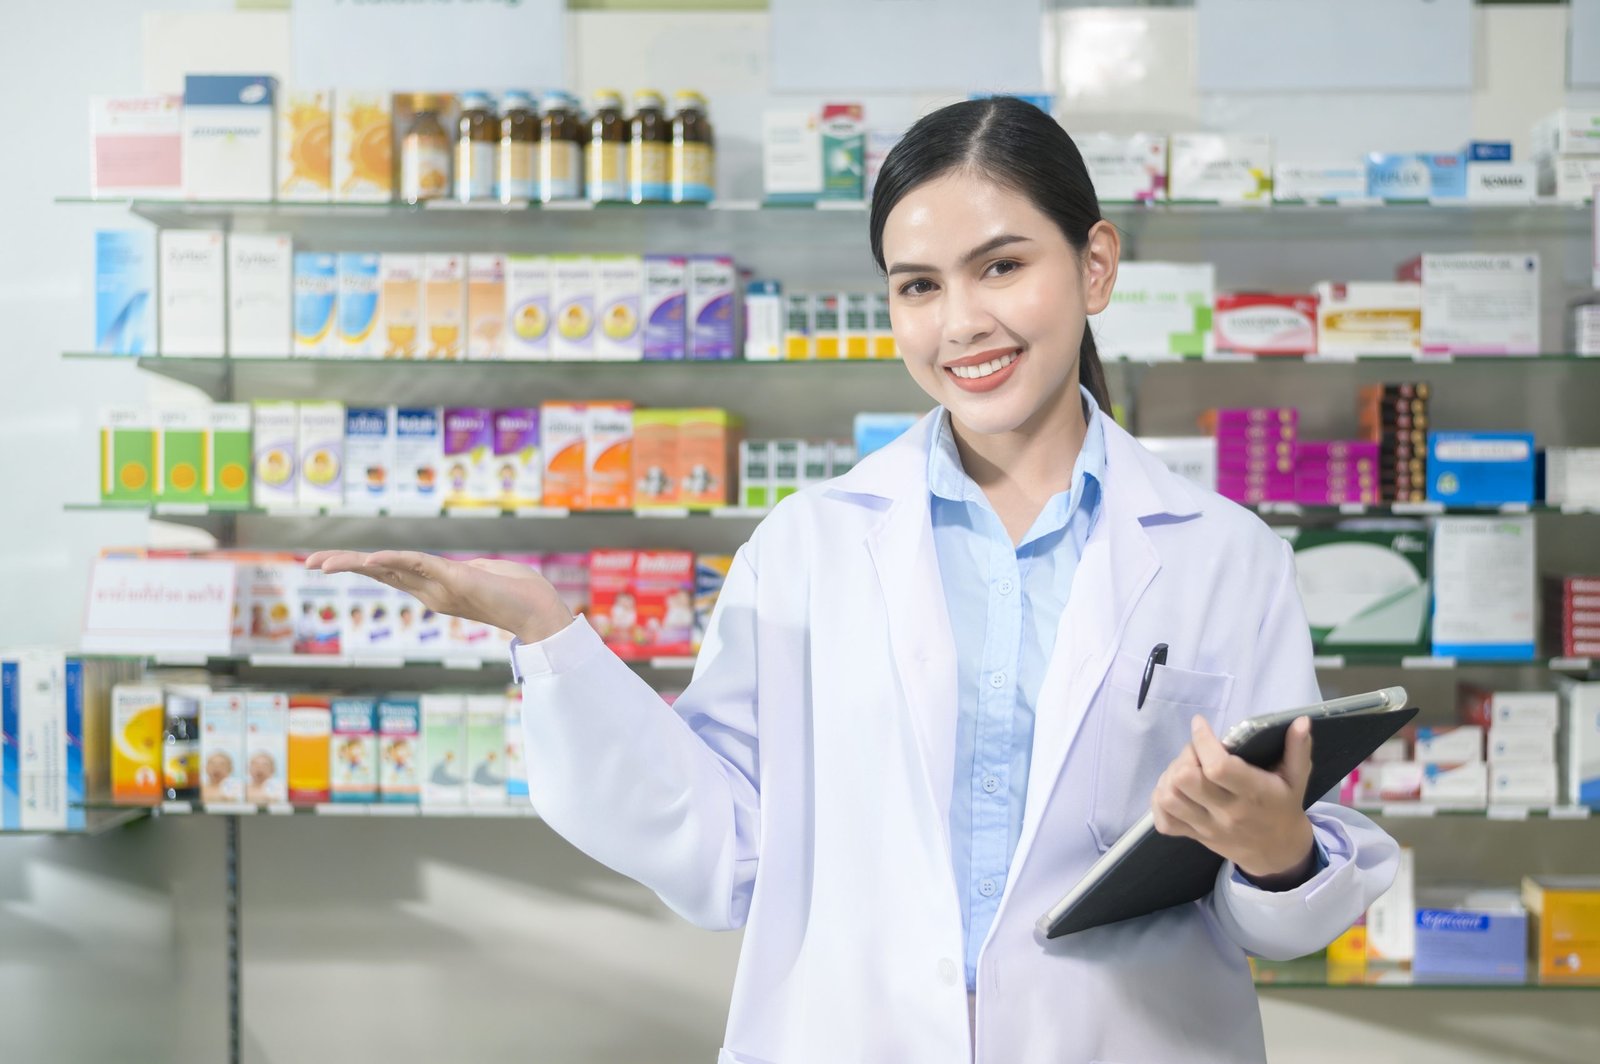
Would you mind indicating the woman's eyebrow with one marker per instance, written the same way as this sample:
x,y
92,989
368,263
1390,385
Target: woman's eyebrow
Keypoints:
x,y
976,253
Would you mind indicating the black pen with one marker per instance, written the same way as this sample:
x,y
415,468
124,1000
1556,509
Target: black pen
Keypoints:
x,y
1158,656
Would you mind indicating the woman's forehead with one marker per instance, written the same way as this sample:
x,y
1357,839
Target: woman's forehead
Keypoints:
x,y
946,216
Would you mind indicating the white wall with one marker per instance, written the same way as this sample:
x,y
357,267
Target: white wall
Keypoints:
x,y
409,941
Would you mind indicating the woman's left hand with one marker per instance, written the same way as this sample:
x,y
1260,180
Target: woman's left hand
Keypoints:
x,y
1251,816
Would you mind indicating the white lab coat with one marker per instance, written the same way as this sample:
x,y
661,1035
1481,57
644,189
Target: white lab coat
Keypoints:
x,y
800,788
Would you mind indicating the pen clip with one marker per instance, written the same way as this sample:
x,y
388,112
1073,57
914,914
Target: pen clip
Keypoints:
x,y
1158,656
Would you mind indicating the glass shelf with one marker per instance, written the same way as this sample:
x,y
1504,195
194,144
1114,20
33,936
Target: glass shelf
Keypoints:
x,y
98,819
512,810
1512,813
1314,973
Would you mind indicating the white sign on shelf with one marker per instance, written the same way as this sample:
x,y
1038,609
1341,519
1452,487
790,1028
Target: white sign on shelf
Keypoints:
x,y
441,45
140,606
834,46
1317,45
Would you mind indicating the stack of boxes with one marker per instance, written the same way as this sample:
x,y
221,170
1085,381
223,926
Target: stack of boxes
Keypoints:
x,y
1566,151
1572,476
1572,615
772,470
1582,740
1256,450
1333,472
1521,728
1450,760
1395,417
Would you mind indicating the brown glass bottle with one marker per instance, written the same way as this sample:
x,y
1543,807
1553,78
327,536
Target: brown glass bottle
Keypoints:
x,y
693,151
606,155
560,149
477,145
649,150
518,179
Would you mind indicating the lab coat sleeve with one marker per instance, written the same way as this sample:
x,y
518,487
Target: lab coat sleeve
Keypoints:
x,y
666,795
1361,859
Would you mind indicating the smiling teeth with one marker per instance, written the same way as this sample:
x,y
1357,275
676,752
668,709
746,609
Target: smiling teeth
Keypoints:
x,y
984,369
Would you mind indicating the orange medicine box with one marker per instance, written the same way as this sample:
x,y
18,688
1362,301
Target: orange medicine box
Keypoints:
x,y
310,748
656,469
608,455
562,428
613,606
708,454
1564,925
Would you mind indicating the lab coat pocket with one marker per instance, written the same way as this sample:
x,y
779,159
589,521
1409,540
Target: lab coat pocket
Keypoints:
x,y
1134,746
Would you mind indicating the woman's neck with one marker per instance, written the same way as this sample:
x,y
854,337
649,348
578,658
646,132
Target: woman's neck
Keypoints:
x,y
1019,471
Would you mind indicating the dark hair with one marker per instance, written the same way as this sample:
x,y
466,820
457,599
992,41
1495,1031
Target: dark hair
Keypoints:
x,y
1018,146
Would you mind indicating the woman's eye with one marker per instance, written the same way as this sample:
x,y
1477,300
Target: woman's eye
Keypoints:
x,y
916,288
1003,267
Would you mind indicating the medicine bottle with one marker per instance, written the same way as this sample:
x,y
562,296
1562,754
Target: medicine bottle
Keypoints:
x,y
477,144
693,155
560,149
519,149
424,153
606,155
649,150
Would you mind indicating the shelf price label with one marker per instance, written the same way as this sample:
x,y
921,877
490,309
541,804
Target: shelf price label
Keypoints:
x,y
147,607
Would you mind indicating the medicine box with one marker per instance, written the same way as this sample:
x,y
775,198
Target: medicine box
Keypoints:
x,y
370,610
260,295
665,300
663,588
469,479
797,326
321,453
1266,324
1369,318
222,768
137,736
882,328
516,768
1364,591
182,475
827,326
843,151
1478,619
608,455
656,468
486,307
1449,746
710,574
310,739
444,306
708,447
418,454
316,302
755,474
1314,182
486,740
1125,167
136,146
1478,303
276,449
613,602
191,282
1476,935
1516,709
229,132
444,750
1158,309
1568,131
1521,744
363,170
563,427
1481,468
1391,920
712,314
1194,458
1532,784
573,298
518,466
1569,178
228,455
791,156
528,290
127,455
266,748
1502,182
354,756
1564,918
399,729
1463,786
360,284
305,145
857,324
125,292
1232,168
1416,176
619,281
369,458
1582,739
400,304
763,316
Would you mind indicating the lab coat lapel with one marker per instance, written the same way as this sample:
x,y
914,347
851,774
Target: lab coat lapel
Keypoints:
x,y
920,638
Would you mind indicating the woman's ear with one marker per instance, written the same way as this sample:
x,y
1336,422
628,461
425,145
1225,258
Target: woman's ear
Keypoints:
x,y
1101,253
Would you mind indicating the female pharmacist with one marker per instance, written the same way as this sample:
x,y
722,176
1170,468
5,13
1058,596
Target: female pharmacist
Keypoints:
x,y
915,719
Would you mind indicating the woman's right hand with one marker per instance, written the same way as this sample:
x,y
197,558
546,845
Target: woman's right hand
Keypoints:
x,y
492,591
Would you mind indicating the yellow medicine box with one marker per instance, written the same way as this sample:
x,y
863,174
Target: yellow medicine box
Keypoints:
x,y
1564,925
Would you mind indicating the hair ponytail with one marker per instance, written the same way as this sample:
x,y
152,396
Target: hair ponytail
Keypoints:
x,y
1091,374
1021,148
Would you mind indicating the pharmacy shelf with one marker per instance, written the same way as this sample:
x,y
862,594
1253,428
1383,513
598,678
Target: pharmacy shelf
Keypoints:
x,y
1540,216
1428,811
1315,973
97,821
518,811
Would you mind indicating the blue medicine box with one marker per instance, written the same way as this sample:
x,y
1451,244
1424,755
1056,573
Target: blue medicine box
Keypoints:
x,y
1480,468
1487,151
1416,176
1469,941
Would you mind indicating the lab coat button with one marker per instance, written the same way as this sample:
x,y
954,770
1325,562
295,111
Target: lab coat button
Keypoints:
x,y
1004,587
987,888
947,971
991,784
998,680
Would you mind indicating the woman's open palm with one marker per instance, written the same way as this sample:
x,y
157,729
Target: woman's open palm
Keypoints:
x,y
492,591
